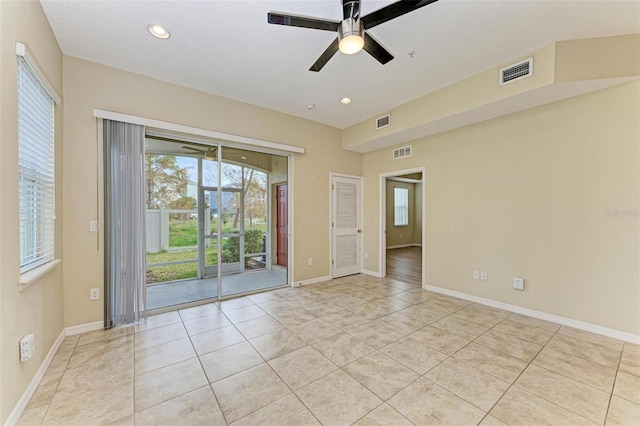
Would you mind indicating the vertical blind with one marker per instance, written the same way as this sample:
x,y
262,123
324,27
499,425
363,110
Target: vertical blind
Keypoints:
x,y
125,242
36,173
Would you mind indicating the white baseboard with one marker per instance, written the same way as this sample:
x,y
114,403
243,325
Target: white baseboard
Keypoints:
x,y
371,273
312,281
604,331
83,328
35,382
403,246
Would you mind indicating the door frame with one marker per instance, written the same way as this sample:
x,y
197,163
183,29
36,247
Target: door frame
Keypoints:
x,y
333,175
277,227
382,209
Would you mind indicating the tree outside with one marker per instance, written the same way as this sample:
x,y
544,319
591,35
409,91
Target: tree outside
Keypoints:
x,y
166,187
255,192
166,182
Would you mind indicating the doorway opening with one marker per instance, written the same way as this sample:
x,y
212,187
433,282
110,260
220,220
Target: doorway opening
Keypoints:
x,y
402,231
209,220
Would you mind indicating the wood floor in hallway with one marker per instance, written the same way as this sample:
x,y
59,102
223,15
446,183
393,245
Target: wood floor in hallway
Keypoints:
x,y
405,264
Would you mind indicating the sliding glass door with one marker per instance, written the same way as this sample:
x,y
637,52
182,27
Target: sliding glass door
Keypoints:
x,y
212,232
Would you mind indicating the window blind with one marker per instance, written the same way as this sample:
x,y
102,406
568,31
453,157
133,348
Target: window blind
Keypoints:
x,y
401,206
36,172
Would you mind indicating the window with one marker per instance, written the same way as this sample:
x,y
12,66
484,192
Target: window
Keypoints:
x,y
400,206
36,173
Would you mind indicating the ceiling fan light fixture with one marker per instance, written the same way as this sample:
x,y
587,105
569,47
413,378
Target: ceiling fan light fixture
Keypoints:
x,y
210,154
350,39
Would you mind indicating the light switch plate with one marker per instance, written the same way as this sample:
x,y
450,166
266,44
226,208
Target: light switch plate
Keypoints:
x,y
518,283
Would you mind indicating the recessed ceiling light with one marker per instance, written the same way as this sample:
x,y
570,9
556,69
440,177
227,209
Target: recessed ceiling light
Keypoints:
x,y
158,31
311,106
345,101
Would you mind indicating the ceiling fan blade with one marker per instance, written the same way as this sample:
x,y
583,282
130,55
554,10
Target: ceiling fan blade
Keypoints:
x,y
376,50
350,9
301,21
193,149
326,55
392,11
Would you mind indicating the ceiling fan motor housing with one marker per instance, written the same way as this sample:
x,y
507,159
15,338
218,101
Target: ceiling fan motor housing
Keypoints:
x,y
350,36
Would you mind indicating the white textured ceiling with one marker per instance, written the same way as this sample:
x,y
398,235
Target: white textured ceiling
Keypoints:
x,y
228,49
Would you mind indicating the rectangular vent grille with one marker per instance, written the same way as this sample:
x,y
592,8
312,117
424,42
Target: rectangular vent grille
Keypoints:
x,y
516,72
402,152
384,121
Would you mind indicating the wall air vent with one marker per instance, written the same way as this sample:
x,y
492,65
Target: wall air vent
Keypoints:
x,y
384,121
515,72
402,152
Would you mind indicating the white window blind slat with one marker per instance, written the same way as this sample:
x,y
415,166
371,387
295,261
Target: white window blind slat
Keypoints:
x,y
36,170
401,206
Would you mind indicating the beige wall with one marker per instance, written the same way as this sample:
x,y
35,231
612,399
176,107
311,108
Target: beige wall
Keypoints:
x,y
462,96
593,58
89,85
550,194
38,309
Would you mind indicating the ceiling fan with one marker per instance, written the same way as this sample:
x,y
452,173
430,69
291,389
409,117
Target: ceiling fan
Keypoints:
x,y
207,153
352,30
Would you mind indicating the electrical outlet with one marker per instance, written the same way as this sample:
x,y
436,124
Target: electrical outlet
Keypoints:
x,y
484,276
94,294
93,226
366,254
310,261
27,347
476,275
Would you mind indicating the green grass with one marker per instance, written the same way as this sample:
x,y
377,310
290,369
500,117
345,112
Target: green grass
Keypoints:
x,y
157,274
184,234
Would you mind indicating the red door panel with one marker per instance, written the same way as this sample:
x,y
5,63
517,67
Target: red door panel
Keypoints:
x,y
282,225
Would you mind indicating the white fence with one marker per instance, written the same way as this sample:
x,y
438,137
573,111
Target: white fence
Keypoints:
x,y
157,228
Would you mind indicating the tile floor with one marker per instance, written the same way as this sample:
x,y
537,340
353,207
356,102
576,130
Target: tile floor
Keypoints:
x,y
356,350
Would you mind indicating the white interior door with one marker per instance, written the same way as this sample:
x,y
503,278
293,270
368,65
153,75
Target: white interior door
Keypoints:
x,y
346,226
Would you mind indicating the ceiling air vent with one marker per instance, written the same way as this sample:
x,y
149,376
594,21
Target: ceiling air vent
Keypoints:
x,y
522,69
383,121
402,152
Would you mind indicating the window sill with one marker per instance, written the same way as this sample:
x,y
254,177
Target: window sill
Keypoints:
x,y
30,277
